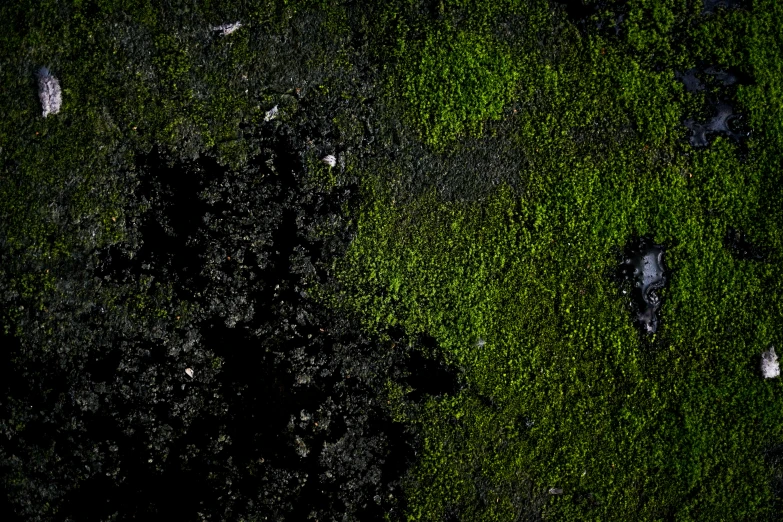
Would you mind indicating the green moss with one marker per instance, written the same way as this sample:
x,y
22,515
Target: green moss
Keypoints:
x,y
674,426
765,97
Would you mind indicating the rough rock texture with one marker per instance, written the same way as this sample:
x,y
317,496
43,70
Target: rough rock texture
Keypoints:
x,y
770,367
49,92
226,29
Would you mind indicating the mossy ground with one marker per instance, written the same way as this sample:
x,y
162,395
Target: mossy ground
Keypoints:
x,y
674,426
513,282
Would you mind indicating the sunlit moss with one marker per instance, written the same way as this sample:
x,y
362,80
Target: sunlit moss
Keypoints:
x,y
453,81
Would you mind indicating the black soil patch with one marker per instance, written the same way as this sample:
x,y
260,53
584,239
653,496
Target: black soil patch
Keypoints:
x,y
642,266
428,373
284,418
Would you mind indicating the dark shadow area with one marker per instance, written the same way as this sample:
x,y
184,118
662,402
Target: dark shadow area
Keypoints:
x,y
715,6
578,10
773,456
428,374
10,380
737,243
10,350
168,230
754,366
7,512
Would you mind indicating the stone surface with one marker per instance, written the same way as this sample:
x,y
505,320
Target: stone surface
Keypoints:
x,y
770,368
49,92
643,266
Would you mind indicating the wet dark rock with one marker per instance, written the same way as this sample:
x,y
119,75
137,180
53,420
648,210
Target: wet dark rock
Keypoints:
x,y
604,16
643,267
690,80
719,115
712,78
714,6
725,121
737,243
728,76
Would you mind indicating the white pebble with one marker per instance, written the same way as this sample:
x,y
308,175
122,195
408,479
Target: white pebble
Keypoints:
x,y
49,92
226,29
770,367
271,113
189,371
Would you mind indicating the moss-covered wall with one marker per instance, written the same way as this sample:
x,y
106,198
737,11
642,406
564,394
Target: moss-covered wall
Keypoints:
x,y
516,285
504,153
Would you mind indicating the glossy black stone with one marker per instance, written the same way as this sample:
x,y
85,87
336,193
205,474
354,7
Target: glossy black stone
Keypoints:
x,y
642,265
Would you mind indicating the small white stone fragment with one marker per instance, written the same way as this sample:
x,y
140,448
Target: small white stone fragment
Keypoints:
x,y
329,160
770,367
189,371
271,113
555,491
227,29
49,92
